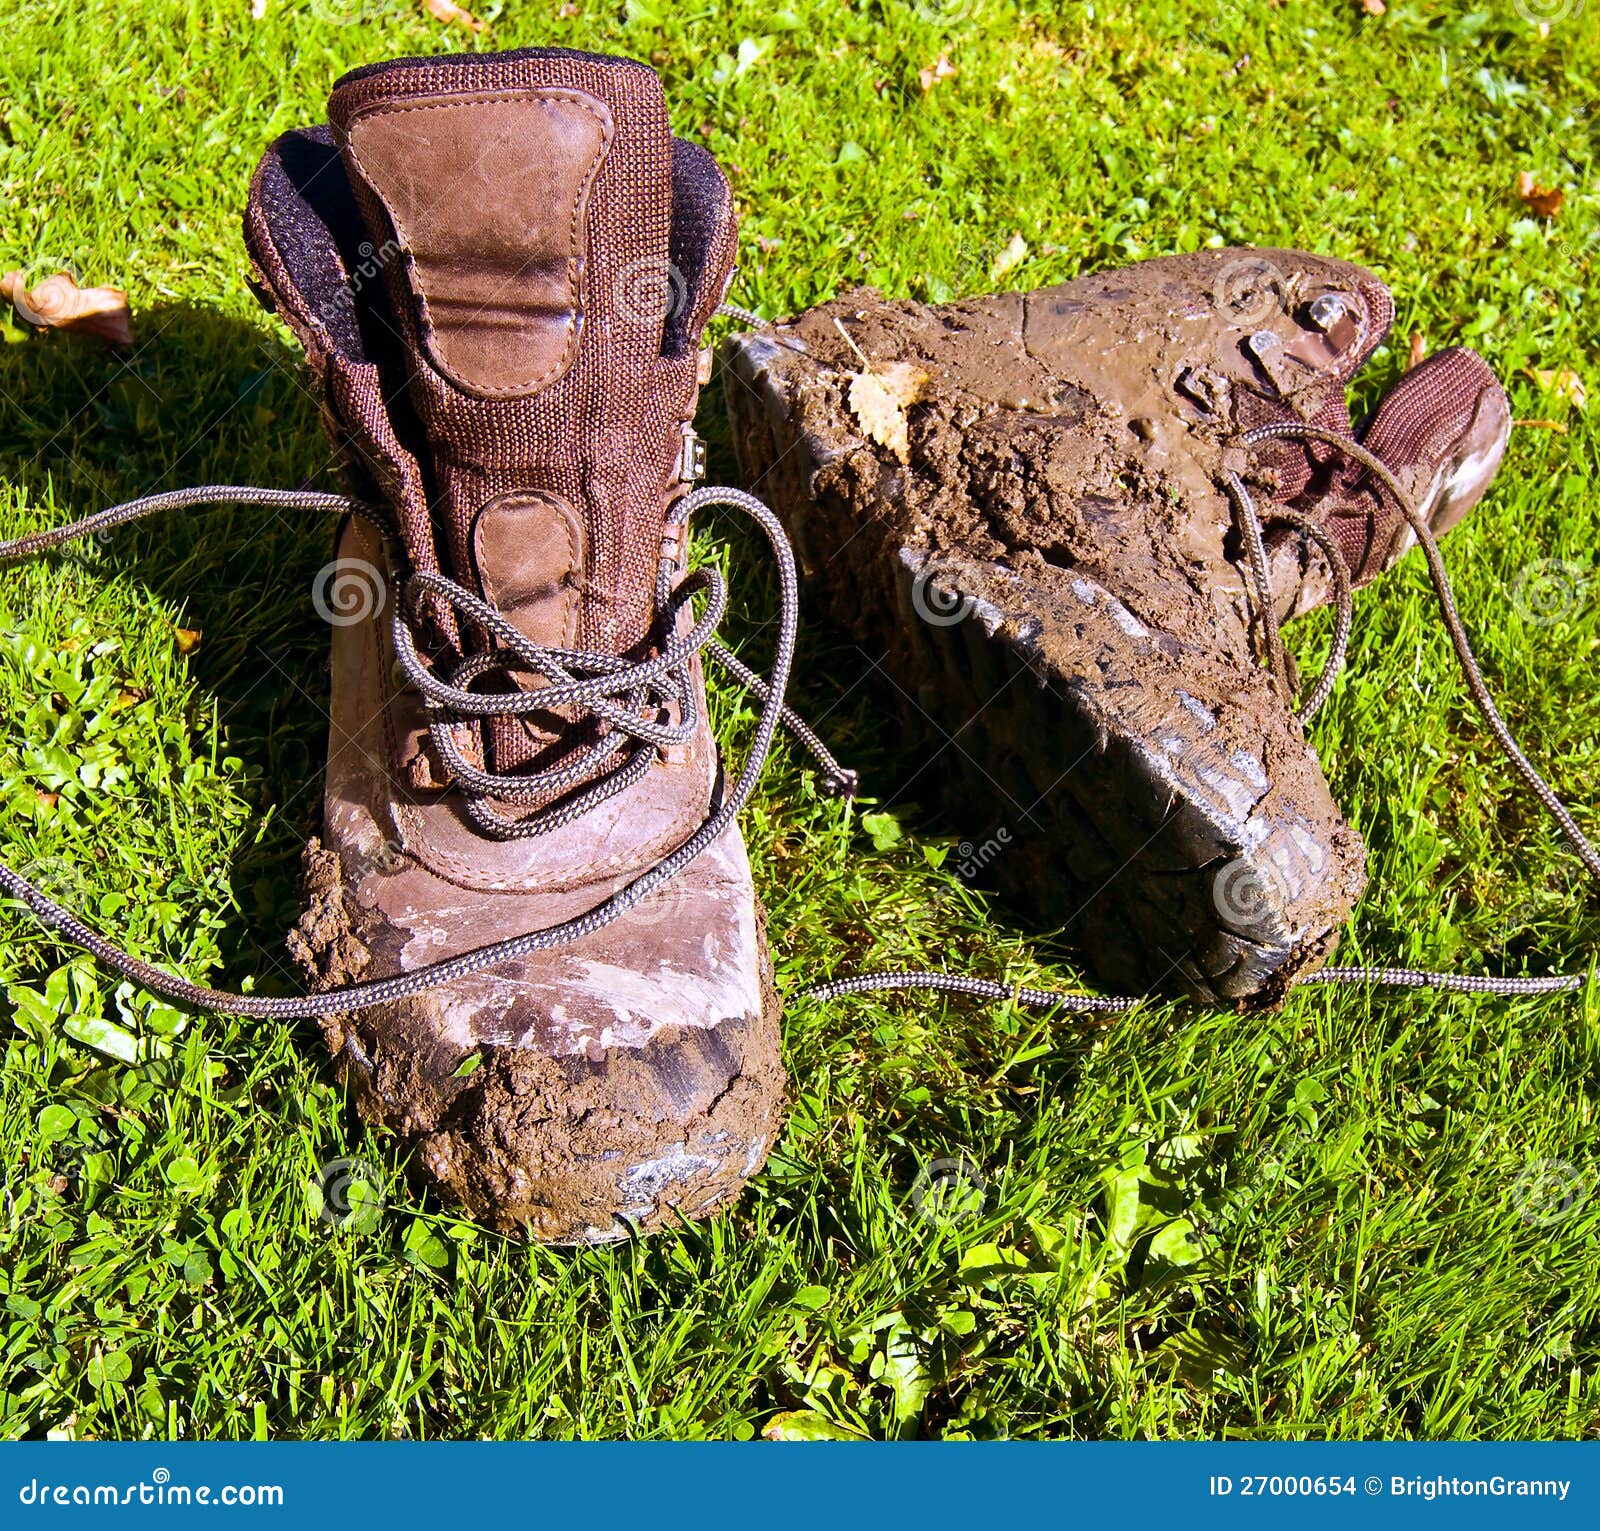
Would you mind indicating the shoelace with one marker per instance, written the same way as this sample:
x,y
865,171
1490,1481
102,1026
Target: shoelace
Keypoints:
x,y
595,681
635,698
1266,612
1294,430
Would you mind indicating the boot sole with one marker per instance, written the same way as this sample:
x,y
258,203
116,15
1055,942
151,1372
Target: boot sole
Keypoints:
x,y
1155,800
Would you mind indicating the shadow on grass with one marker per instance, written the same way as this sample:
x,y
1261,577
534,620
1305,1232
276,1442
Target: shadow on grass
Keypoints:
x,y
202,398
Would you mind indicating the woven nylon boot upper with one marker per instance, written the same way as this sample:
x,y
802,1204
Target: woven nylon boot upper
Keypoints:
x,y
1441,429
527,262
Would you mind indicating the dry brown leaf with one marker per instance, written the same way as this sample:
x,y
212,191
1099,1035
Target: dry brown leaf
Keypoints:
x,y
47,799
1541,201
187,639
940,69
58,303
1373,7
455,15
1009,258
1563,382
879,399
1416,350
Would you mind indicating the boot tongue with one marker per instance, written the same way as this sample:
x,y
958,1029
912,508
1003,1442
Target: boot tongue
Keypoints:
x,y
511,202
1441,430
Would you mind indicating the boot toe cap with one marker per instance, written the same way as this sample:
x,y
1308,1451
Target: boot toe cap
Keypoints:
x,y
586,1148
610,1083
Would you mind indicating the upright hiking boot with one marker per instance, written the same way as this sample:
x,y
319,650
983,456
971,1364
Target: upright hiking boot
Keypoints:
x,y
500,267
1037,508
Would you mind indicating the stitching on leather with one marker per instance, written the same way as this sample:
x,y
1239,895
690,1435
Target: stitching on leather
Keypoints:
x,y
542,96
569,525
459,870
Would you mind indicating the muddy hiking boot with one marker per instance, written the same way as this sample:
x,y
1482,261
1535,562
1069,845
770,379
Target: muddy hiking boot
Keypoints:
x,y
500,267
1037,506
1072,518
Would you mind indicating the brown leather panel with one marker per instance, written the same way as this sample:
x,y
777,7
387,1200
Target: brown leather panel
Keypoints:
x,y
375,730
487,192
528,549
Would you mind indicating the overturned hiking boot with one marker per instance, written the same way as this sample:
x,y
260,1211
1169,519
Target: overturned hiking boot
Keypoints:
x,y
1038,508
500,268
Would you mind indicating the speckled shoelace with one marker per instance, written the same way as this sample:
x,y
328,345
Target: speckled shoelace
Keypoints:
x,y
633,696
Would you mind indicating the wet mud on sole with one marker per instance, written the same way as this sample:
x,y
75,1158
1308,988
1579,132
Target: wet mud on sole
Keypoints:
x,y
569,1148
1161,802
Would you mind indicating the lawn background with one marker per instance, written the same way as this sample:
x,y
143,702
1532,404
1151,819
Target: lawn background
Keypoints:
x,y
1333,1220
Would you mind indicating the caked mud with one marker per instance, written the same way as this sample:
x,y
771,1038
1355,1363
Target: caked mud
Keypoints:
x,y
506,394
1050,571
568,1146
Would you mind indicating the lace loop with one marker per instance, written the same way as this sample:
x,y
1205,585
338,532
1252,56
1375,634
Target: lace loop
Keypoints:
x,y
633,699
665,670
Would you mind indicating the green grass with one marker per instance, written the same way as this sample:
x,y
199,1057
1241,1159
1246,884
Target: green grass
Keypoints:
x,y
1192,1223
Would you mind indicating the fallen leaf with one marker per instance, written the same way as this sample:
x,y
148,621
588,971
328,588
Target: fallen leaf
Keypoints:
x,y
187,639
1009,258
940,69
454,15
47,799
58,303
1416,350
1373,7
1563,382
1542,201
879,400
